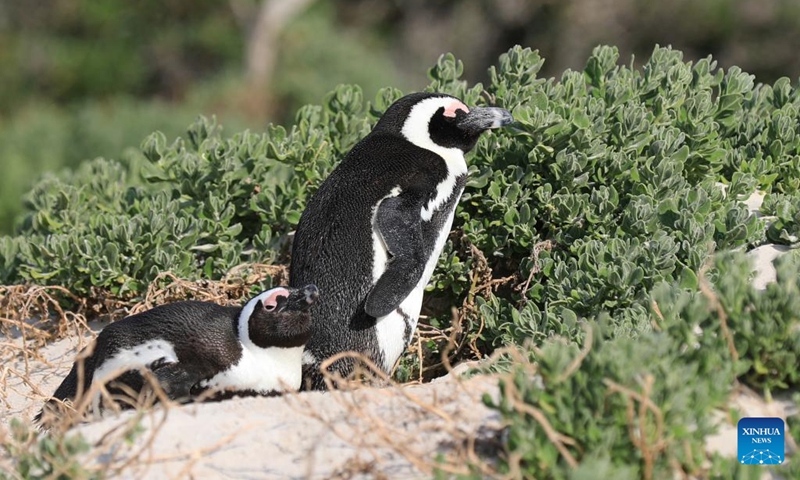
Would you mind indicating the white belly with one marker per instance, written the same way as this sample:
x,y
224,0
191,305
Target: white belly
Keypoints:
x,y
391,329
262,370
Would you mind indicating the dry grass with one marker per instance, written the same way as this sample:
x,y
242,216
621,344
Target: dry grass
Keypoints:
x,y
21,303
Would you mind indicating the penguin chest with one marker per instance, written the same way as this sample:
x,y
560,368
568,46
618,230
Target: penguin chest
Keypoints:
x,y
264,370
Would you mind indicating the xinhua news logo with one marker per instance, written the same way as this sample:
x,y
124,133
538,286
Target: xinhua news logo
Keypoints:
x,y
761,441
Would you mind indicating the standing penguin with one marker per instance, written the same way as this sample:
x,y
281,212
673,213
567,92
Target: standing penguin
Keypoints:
x,y
192,346
372,234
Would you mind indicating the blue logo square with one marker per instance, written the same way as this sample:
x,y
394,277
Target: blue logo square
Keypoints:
x,y
761,441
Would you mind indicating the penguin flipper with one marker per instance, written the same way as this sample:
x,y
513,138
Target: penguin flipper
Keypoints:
x,y
398,221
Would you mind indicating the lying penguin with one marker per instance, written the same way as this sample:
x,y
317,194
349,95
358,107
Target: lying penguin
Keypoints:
x,y
193,347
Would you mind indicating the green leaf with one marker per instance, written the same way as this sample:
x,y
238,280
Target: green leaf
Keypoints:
x,y
688,279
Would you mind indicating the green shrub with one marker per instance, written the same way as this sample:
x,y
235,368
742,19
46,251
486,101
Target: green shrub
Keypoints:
x,y
641,408
785,227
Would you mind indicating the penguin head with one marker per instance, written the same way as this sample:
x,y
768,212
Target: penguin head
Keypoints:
x,y
279,317
441,120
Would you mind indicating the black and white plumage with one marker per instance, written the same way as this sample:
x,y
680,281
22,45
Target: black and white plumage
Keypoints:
x,y
372,234
193,346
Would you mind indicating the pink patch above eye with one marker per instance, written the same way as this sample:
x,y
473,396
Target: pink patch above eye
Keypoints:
x,y
451,109
272,299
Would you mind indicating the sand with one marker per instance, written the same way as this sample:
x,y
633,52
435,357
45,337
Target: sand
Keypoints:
x,y
393,431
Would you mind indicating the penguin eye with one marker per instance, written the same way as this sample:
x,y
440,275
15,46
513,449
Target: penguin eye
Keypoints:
x,y
269,307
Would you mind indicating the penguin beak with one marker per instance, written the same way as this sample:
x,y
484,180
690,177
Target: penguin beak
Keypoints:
x,y
483,118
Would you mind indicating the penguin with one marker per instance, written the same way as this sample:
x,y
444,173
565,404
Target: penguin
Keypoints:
x,y
370,237
192,347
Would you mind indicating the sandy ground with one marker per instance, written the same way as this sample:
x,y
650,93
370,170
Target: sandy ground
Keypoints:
x,y
396,432
371,432
26,381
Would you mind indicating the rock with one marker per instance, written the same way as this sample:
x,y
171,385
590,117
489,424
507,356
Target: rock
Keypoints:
x,y
396,432
763,257
755,201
